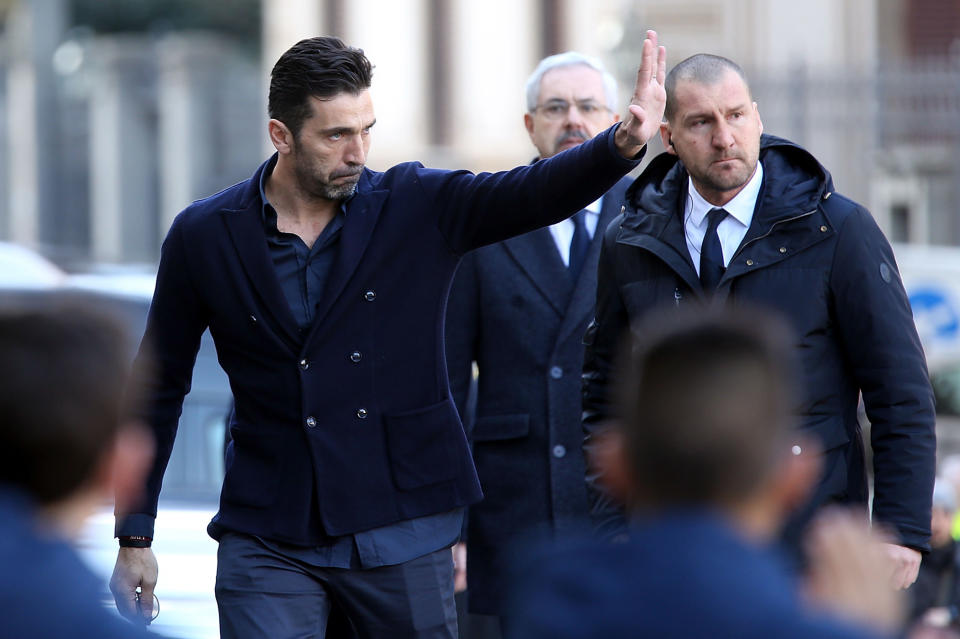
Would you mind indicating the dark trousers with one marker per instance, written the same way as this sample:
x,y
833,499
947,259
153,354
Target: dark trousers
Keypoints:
x,y
263,593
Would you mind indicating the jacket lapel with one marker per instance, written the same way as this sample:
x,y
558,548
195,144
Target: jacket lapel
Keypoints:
x,y
584,297
361,218
246,230
536,254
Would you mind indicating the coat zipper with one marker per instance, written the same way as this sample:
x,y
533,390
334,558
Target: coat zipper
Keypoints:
x,y
770,230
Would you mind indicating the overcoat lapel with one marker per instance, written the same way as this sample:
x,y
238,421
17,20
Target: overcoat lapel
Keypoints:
x,y
584,296
246,230
536,254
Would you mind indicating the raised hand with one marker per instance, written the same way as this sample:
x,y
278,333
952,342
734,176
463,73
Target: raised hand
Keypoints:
x,y
649,99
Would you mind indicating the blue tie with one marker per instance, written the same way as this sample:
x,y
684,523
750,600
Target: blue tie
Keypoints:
x,y
711,253
579,245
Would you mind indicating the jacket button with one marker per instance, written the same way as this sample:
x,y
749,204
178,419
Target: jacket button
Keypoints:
x,y
253,319
783,249
823,229
304,364
370,296
311,422
362,413
355,356
749,262
559,451
556,372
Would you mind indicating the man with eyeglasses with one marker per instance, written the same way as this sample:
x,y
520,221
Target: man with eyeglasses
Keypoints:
x,y
519,309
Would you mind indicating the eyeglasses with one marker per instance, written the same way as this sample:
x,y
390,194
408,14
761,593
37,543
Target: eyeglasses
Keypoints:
x,y
558,109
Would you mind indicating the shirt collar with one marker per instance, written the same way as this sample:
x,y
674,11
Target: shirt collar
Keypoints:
x,y
740,208
594,207
267,212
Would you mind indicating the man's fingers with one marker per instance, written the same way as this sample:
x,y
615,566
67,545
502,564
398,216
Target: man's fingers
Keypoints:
x,y
647,68
459,567
661,64
146,602
126,602
904,565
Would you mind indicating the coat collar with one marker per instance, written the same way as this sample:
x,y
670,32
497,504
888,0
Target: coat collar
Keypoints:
x,y
245,226
794,183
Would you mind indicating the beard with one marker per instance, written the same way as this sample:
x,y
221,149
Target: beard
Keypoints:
x,y
311,180
725,180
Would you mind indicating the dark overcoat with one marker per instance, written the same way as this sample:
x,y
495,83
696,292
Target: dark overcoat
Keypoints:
x,y
516,312
349,426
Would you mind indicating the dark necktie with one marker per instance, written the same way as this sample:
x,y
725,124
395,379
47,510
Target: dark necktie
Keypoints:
x,y
579,245
711,253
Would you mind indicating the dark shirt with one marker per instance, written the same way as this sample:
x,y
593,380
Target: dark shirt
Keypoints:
x,y
302,273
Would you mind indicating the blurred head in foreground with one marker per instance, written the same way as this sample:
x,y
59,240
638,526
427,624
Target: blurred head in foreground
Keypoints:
x,y
705,401
64,443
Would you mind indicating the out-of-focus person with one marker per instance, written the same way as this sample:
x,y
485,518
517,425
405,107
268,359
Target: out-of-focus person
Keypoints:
x,y
65,448
950,473
730,216
704,456
518,310
935,597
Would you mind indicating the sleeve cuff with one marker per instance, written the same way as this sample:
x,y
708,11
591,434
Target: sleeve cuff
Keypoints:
x,y
135,525
630,163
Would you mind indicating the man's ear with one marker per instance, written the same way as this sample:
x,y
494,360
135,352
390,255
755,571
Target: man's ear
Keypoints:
x,y
796,475
280,136
528,123
608,458
666,138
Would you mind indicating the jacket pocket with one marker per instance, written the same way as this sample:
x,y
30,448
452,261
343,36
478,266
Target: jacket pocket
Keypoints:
x,y
251,478
499,427
421,445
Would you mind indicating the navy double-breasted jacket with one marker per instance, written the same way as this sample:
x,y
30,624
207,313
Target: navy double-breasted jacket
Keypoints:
x,y
351,425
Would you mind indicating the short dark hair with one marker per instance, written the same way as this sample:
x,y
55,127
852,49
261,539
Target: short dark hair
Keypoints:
x,y
63,366
702,68
705,400
321,67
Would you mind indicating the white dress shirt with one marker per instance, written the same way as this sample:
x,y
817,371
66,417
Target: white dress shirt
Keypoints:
x,y
562,232
733,227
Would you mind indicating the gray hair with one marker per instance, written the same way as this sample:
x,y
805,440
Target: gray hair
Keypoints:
x,y
570,59
702,68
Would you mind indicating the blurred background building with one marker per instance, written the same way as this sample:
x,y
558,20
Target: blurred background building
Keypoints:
x,y
116,114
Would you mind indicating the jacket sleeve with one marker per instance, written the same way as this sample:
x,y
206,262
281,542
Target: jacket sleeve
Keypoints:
x,y
163,369
603,337
883,351
462,335
476,210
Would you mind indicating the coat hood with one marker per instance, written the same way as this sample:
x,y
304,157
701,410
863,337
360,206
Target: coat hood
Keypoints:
x,y
793,181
